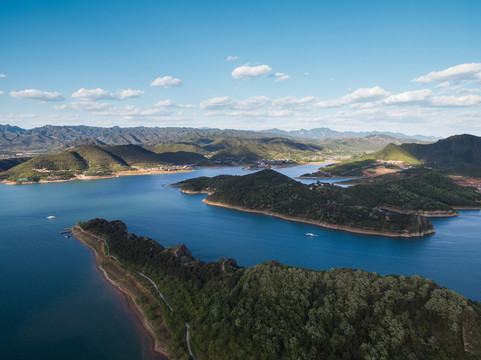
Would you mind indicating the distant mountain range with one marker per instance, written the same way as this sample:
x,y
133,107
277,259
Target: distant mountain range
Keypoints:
x,y
326,133
49,137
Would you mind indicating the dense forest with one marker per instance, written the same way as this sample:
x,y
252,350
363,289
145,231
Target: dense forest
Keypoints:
x,y
273,311
358,207
273,192
424,190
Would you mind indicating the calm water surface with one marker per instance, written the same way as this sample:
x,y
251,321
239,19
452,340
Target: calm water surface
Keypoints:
x,y
55,304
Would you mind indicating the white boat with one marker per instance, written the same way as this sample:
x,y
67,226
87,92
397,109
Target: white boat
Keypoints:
x,y
311,234
51,217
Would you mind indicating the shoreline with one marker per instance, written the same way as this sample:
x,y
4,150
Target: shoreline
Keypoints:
x,y
425,213
158,347
318,223
86,178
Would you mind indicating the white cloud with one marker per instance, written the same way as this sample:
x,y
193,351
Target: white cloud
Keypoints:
x,y
2,76
225,102
84,106
460,72
101,94
247,72
281,76
105,109
293,102
254,102
168,103
306,73
257,102
443,84
2,92
92,94
408,97
33,94
360,95
166,82
218,103
251,113
11,116
453,101
129,93
232,58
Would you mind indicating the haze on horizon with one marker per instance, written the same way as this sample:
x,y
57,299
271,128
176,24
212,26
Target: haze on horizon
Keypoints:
x,y
408,67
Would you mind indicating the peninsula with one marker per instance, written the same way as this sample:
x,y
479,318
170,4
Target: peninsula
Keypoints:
x,y
396,208
272,193
273,311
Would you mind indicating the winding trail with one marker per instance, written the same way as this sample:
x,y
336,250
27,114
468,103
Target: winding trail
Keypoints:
x,y
187,334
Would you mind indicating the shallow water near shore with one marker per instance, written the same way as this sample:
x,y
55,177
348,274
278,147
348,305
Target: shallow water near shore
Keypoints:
x,y
55,304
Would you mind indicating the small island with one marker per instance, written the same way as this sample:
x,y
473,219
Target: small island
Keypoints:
x,y
272,311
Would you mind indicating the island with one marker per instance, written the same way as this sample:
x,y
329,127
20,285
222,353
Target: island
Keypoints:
x,y
396,208
273,311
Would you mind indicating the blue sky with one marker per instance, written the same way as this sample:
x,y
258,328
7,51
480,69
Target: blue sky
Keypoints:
x,y
406,66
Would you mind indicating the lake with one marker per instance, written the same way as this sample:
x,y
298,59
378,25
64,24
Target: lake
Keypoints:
x,y
55,304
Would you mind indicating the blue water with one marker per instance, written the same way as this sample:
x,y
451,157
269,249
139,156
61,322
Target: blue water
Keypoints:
x,y
55,304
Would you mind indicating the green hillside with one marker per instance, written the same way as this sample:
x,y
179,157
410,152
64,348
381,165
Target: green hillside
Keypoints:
x,y
100,158
183,158
267,148
96,160
133,154
6,164
273,192
428,192
273,311
179,146
446,155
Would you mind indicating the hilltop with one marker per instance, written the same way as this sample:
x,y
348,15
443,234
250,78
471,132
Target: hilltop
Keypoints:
x,y
274,311
456,155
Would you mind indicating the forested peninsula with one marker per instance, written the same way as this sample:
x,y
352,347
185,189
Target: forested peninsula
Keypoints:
x,y
273,311
390,208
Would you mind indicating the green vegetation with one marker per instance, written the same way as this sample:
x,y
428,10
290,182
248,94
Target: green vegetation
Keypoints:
x,y
6,164
179,146
273,311
430,191
333,143
456,155
95,160
273,192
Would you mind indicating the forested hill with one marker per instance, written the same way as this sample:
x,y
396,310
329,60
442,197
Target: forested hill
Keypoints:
x,y
443,153
455,155
96,160
273,193
273,311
